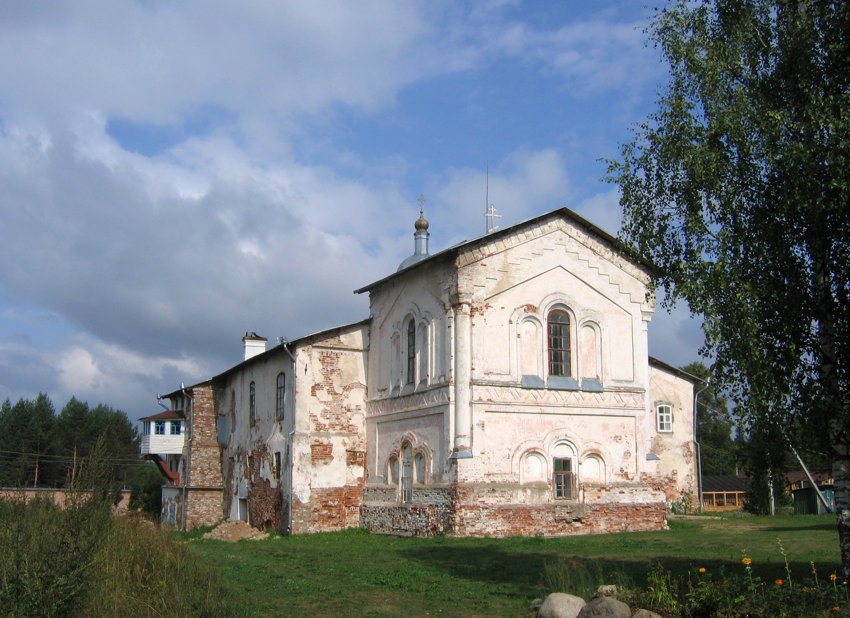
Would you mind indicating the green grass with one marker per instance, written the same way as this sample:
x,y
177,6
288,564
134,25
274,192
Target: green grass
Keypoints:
x,y
355,573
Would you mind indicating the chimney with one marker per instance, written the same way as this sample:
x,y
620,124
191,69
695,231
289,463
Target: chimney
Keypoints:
x,y
254,344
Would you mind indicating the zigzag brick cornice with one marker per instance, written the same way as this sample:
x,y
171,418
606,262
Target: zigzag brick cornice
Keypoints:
x,y
414,401
511,395
584,252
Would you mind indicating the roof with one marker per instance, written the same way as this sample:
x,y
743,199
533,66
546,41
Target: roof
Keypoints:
x,y
659,364
165,415
495,235
724,483
802,479
285,348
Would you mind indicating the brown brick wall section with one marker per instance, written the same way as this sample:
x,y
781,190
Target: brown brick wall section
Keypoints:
x,y
330,509
321,452
203,508
205,470
265,502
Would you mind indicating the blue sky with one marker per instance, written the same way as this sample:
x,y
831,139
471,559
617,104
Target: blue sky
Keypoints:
x,y
175,174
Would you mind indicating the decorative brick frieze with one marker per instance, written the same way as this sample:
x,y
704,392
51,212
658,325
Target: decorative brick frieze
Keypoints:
x,y
587,401
432,398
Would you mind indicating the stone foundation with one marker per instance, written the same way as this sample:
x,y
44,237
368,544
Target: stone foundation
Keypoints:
x,y
477,511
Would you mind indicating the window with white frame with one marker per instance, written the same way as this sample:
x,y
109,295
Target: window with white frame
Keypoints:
x,y
664,418
281,392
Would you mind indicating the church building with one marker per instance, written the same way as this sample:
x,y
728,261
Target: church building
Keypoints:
x,y
502,386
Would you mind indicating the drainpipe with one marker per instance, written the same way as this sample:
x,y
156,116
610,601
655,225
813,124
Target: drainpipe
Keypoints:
x,y
284,343
696,442
289,502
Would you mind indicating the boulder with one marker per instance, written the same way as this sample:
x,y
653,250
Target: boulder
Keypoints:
x,y
608,590
561,605
605,607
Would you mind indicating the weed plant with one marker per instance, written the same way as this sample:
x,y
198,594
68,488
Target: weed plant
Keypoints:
x,y
81,561
700,592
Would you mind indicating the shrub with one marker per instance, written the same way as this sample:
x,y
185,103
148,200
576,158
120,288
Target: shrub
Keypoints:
x,y
81,561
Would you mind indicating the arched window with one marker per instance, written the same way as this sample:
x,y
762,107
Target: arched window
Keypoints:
x,y
252,402
411,352
419,468
559,343
392,470
281,392
406,473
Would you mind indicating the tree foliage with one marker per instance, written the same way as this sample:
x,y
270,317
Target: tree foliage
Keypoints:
x,y
738,188
719,451
41,449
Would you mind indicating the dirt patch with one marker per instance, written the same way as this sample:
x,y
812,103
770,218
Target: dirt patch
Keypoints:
x,y
235,530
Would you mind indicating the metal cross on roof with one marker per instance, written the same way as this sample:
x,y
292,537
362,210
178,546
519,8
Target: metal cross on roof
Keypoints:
x,y
491,217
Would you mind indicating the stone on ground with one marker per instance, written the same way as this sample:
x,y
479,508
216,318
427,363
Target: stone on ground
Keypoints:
x,y
561,605
605,607
235,530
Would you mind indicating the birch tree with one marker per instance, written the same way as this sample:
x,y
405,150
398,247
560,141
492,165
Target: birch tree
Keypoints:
x,y
738,188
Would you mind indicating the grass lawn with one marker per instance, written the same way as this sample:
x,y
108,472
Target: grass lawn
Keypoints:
x,y
354,573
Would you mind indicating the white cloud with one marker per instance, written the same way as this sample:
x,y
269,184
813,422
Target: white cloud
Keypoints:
x,y
159,255
522,185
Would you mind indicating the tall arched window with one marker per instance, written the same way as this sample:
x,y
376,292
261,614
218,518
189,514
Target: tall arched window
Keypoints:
x,y
559,343
406,473
281,392
252,402
411,352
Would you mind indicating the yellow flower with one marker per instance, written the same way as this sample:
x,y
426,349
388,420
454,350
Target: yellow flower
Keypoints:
x,y
833,577
747,561
702,569
806,590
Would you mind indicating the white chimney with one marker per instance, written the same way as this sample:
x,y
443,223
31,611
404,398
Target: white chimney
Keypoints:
x,y
254,344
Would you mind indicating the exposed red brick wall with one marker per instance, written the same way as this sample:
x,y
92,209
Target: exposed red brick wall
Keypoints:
x,y
321,452
265,503
203,508
327,510
335,419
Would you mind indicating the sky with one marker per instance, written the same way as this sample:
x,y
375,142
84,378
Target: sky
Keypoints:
x,y
174,174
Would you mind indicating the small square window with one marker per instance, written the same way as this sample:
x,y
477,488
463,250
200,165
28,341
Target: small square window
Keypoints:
x,y
176,427
159,428
664,418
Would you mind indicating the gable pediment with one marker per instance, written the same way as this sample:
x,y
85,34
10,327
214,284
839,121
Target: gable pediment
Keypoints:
x,y
554,244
